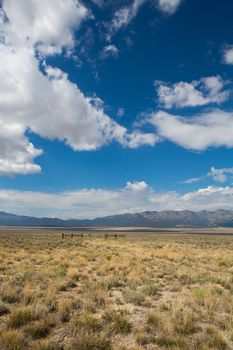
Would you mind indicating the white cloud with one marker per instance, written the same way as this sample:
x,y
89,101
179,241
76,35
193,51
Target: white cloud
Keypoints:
x,y
37,97
91,203
210,129
211,197
218,175
193,180
137,186
110,51
48,24
137,139
228,55
197,93
17,153
99,3
120,112
126,14
169,6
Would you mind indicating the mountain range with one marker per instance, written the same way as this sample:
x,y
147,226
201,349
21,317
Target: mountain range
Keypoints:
x,y
167,218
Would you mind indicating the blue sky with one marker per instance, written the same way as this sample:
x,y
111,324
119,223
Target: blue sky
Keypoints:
x,y
115,106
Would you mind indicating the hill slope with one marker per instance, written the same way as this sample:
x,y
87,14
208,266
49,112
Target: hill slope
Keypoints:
x,y
168,218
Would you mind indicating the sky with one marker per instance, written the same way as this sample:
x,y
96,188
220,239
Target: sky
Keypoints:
x,y
114,106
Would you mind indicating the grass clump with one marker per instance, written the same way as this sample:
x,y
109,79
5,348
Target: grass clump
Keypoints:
x,y
48,345
170,342
12,340
86,322
87,340
133,296
216,340
151,289
153,319
184,322
10,293
119,323
20,317
4,309
39,329
23,315
64,310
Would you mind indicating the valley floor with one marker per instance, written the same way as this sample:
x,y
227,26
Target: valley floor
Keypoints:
x,y
155,291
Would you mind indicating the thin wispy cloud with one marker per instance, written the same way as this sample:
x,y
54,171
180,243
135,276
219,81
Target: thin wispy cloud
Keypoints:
x,y
109,51
126,14
218,175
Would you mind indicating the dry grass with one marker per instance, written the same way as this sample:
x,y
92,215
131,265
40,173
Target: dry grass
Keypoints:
x,y
140,292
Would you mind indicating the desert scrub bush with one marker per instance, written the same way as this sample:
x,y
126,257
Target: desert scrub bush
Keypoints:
x,y
39,329
12,340
88,305
143,338
91,341
117,321
50,299
215,340
65,285
170,342
98,295
48,345
184,322
153,319
85,321
199,294
151,289
73,273
23,315
133,296
60,271
112,282
64,309
10,293
4,309
28,294
19,317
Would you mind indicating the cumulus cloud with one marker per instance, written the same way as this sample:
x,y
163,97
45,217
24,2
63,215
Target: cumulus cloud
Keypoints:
x,y
37,97
137,186
135,197
17,153
48,24
209,129
197,93
228,55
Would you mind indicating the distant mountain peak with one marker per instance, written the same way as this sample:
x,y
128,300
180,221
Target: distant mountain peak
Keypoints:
x,y
166,218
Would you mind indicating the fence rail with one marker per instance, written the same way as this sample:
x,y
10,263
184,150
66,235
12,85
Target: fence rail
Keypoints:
x,y
82,235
